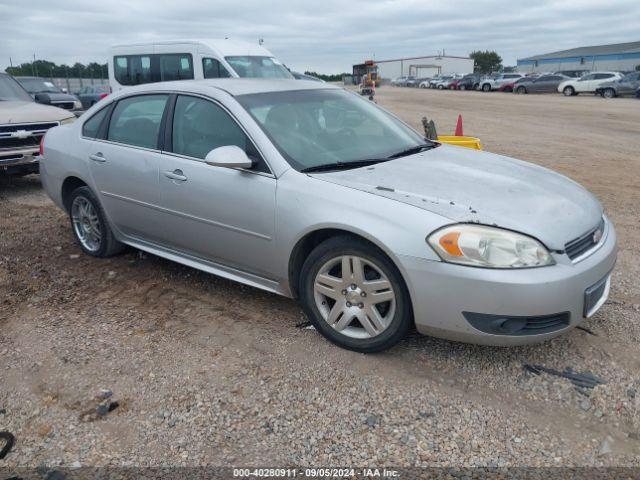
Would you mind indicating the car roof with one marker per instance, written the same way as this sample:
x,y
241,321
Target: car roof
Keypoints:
x,y
223,46
233,86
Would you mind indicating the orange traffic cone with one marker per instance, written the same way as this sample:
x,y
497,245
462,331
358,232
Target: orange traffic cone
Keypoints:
x,y
459,127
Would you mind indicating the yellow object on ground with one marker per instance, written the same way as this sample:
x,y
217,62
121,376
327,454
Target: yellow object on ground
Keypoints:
x,y
468,142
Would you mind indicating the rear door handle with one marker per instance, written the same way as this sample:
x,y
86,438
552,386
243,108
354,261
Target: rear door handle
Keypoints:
x,y
98,157
175,175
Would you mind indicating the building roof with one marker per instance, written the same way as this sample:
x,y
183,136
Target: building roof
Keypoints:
x,y
612,49
420,58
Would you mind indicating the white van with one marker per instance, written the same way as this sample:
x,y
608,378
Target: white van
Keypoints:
x,y
164,61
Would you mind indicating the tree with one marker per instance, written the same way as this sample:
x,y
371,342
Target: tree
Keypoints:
x,y
47,69
332,77
637,68
486,62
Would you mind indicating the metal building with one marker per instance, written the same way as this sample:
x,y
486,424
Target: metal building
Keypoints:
x,y
617,57
427,66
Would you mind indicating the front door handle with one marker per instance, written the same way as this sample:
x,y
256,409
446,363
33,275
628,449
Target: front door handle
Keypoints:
x,y
98,157
175,175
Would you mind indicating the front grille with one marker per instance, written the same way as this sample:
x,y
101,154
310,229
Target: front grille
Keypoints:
x,y
6,130
32,133
65,105
517,326
584,243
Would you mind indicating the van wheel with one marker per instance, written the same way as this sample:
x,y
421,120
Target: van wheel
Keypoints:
x,y
90,226
355,296
569,91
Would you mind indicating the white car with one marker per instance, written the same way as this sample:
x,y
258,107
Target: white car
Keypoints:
x,y
489,84
587,83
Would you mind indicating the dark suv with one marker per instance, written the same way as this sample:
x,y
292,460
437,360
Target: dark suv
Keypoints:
x,y
46,92
469,82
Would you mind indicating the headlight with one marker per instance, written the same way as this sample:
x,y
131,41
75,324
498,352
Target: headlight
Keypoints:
x,y
489,247
66,121
77,105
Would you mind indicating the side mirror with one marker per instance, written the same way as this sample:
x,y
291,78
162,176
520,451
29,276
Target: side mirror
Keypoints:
x,y
230,156
43,98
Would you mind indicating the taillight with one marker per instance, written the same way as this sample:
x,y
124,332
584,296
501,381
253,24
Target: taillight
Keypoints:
x,y
42,145
102,95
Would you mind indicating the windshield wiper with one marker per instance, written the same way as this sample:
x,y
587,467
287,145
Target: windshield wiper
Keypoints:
x,y
343,165
413,150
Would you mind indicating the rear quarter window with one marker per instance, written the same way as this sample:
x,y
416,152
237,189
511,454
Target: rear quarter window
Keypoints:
x,y
91,127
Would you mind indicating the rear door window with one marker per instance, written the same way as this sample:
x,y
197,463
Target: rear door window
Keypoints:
x,y
136,120
148,68
92,126
176,67
602,76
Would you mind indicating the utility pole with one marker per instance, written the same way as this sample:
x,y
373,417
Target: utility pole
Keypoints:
x,y
35,67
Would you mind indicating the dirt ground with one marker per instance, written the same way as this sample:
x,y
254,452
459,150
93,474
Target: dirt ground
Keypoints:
x,y
136,360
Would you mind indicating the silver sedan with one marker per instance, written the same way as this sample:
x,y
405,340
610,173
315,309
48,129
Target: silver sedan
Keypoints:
x,y
309,191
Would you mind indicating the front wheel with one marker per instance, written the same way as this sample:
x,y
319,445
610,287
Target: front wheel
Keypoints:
x,y
462,87
569,91
355,296
609,93
90,226
486,87
521,90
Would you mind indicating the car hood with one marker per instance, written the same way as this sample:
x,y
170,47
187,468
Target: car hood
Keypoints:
x,y
28,112
464,185
62,97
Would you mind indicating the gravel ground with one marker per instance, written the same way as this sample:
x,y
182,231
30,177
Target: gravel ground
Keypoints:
x,y
136,360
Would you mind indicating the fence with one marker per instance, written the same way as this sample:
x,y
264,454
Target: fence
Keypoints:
x,y
73,85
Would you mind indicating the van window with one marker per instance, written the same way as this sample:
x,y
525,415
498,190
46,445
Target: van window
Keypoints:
x,y
253,66
136,120
212,68
148,68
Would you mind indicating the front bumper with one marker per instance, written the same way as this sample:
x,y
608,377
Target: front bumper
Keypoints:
x,y
441,292
19,161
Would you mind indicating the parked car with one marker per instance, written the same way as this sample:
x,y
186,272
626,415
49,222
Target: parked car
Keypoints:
x,y
163,61
398,81
420,80
442,82
408,79
46,92
23,123
542,84
572,73
588,83
278,196
412,82
469,82
452,84
89,95
627,85
490,84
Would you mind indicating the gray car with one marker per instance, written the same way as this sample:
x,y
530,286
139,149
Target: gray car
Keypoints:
x,y
310,191
542,84
627,85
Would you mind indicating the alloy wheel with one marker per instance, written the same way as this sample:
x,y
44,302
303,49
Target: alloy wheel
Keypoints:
x,y
86,224
354,296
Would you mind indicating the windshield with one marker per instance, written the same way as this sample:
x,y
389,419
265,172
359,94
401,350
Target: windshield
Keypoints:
x,y
320,127
11,90
38,85
258,67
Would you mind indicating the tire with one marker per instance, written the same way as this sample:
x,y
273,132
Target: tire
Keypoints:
x,y
462,87
521,90
608,93
331,305
568,91
440,87
90,226
486,87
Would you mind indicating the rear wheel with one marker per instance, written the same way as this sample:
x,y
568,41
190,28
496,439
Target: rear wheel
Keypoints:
x,y
569,91
440,87
355,296
486,87
609,93
90,226
462,87
521,90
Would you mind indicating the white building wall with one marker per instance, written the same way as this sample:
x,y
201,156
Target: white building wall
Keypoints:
x,y
388,70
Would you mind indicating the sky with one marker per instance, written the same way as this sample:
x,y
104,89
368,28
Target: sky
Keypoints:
x,y
326,36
